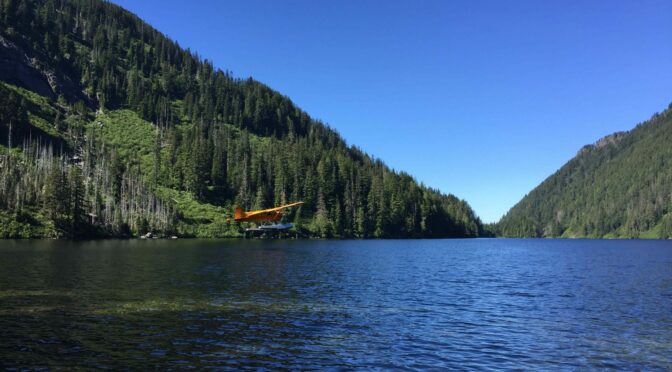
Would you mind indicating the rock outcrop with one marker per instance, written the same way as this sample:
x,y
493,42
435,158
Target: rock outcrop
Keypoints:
x,y
21,68
18,69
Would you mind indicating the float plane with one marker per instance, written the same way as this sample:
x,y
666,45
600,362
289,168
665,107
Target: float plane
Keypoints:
x,y
265,215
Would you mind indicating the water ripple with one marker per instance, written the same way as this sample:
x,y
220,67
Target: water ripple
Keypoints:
x,y
402,305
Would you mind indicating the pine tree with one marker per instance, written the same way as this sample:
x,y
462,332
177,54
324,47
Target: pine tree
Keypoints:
x,y
58,200
79,224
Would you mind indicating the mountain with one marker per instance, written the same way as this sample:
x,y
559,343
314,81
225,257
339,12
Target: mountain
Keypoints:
x,y
619,187
112,129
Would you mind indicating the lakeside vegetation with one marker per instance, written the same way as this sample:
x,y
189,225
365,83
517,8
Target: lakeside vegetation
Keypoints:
x,y
114,130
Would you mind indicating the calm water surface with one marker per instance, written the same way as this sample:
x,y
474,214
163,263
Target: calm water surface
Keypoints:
x,y
532,304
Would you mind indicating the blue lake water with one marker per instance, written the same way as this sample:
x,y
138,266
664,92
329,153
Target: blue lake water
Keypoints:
x,y
483,303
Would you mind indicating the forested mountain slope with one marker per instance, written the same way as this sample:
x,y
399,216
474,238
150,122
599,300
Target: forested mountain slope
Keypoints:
x,y
619,187
112,129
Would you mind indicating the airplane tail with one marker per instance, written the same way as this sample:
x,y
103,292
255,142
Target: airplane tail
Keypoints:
x,y
238,213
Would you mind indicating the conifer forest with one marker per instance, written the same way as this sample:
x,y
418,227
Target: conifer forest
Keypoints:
x,y
110,129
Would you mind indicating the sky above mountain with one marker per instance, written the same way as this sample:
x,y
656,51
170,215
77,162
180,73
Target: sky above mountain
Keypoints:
x,y
482,99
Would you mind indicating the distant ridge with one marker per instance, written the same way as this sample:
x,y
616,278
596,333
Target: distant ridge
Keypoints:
x,y
619,187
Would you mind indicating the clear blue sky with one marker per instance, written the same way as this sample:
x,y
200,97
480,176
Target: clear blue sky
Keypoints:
x,y
482,99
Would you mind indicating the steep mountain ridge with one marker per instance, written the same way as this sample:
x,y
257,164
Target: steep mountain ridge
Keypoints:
x,y
115,130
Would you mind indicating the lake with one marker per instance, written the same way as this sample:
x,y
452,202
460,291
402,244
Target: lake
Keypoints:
x,y
388,304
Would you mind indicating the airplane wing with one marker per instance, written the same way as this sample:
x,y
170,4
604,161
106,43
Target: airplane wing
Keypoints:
x,y
271,210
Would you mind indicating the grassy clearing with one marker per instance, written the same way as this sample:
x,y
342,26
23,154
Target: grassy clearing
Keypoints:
x,y
132,137
200,220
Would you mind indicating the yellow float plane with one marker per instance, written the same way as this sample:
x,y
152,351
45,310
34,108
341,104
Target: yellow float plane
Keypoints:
x,y
265,215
